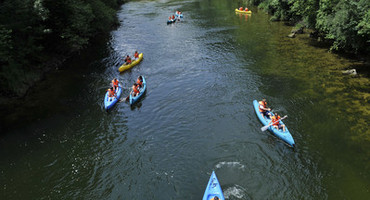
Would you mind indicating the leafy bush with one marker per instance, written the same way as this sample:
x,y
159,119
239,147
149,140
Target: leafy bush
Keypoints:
x,y
346,23
34,31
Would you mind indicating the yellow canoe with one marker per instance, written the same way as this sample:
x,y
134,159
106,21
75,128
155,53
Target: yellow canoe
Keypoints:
x,y
125,67
242,11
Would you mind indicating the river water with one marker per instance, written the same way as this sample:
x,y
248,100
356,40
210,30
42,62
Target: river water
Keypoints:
x,y
197,116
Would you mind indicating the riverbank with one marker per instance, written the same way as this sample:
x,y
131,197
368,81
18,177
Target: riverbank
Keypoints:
x,y
54,32
44,97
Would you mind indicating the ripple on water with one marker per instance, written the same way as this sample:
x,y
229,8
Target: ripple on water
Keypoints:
x,y
236,192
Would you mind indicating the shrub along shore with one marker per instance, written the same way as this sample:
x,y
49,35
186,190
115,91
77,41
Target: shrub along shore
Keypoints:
x,y
37,35
342,23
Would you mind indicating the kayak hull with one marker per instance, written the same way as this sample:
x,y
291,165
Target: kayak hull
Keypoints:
x,y
285,136
142,91
213,188
243,12
125,67
179,15
110,102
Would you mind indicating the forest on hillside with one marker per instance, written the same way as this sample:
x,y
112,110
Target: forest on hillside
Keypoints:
x,y
35,34
345,24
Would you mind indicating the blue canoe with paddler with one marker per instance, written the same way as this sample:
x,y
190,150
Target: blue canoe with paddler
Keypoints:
x,y
280,133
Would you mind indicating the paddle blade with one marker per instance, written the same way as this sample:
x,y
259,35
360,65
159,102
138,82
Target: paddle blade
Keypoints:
x,y
265,128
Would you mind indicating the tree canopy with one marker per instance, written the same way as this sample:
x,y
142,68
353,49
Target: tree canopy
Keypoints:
x,y
34,31
344,22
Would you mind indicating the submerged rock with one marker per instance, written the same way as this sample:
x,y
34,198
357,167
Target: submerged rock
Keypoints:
x,y
350,72
292,35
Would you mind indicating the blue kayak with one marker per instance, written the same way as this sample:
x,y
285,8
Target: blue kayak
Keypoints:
x,y
109,102
285,136
179,15
142,91
213,189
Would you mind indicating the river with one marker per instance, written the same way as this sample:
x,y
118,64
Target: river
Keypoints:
x,y
197,116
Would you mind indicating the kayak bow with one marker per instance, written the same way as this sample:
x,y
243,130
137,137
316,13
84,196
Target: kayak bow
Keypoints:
x,y
213,189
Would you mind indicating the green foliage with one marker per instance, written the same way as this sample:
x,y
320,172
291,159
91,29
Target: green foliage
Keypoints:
x,y
5,45
34,31
346,23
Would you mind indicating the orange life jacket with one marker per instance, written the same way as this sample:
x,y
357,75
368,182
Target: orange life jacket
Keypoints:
x,y
128,60
173,16
241,8
115,83
275,120
246,9
110,93
264,104
136,55
139,82
136,91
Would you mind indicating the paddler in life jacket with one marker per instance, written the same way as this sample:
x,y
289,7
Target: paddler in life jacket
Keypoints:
x,y
264,110
246,9
115,84
136,55
215,198
111,93
241,8
173,16
139,81
276,123
128,60
135,90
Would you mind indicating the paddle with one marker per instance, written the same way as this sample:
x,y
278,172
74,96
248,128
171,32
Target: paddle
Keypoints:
x,y
127,98
268,125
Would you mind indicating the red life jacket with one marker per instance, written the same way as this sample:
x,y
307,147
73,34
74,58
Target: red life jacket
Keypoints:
x,y
264,104
139,82
115,83
275,120
136,91
136,55
110,93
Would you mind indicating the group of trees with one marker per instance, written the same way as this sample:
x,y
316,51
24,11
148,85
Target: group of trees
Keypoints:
x,y
33,32
346,23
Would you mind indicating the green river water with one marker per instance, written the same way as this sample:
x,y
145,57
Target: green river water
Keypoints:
x,y
197,115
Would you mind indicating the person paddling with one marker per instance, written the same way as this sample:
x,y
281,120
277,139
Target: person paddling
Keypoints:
x,y
276,123
115,84
241,8
139,81
128,60
111,93
264,110
136,55
246,9
135,90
